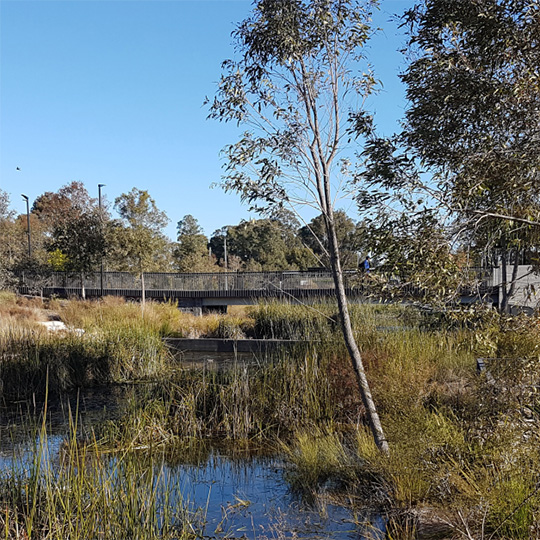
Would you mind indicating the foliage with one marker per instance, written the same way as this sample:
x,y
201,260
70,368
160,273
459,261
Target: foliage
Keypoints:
x,y
68,203
191,252
80,239
473,119
416,261
350,236
136,241
58,260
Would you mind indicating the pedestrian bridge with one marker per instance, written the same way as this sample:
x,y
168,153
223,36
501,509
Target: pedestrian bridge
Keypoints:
x,y
201,290
206,291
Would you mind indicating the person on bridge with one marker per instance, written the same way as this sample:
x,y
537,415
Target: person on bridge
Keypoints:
x,y
366,266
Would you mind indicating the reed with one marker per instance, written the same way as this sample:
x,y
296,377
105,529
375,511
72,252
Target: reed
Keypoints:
x,y
242,403
162,318
70,360
85,494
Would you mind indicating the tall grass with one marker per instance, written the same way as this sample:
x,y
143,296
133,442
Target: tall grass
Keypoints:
x,y
162,318
86,494
255,403
29,356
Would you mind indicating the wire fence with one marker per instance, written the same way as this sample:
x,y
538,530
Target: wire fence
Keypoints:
x,y
228,283
224,281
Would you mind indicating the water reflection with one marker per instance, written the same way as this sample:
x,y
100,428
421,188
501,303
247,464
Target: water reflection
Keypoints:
x,y
240,497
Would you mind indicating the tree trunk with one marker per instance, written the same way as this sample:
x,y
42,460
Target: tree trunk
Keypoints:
x,y
352,347
143,290
503,290
508,287
83,292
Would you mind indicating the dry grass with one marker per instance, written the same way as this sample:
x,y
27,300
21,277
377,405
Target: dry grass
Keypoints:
x,y
18,310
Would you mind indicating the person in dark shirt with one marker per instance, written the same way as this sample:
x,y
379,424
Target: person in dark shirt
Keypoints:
x,y
367,264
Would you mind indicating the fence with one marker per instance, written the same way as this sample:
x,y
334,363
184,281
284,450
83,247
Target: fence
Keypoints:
x,y
224,281
475,281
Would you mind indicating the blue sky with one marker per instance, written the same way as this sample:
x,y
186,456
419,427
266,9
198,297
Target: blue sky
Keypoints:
x,y
111,92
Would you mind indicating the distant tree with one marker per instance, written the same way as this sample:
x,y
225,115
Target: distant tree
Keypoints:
x,y
216,243
349,236
191,252
261,245
137,242
14,243
295,90
79,242
67,203
5,212
9,244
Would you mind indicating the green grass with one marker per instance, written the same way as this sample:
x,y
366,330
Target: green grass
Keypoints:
x,y
87,494
459,441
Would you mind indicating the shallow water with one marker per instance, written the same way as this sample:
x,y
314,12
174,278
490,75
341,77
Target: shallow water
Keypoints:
x,y
239,498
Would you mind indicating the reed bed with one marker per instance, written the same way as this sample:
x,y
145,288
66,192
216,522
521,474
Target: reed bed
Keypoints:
x,y
84,494
464,446
163,318
30,357
244,403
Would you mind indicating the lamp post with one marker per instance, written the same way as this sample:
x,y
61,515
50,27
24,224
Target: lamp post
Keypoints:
x,y
226,261
28,225
101,222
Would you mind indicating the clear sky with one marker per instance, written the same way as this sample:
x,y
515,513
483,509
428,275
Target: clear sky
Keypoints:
x,y
111,92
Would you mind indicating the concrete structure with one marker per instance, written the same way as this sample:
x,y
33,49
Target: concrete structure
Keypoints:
x,y
526,293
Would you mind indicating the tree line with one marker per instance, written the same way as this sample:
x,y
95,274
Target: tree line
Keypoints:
x,y
69,232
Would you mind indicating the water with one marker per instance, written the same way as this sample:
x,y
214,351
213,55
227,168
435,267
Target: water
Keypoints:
x,y
245,497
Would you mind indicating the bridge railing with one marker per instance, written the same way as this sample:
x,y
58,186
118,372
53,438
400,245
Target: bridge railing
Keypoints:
x,y
239,282
222,281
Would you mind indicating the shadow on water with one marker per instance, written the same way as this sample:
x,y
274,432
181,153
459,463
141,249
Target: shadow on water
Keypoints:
x,y
244,497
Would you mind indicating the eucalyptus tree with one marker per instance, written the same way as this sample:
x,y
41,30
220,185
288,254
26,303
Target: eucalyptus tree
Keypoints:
x,y
137,242
474,116
191,252
298,88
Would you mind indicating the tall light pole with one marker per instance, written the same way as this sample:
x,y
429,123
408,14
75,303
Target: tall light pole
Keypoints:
x,y
28,225
101,222
226,261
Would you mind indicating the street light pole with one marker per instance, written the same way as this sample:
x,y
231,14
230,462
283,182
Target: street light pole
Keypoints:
x,y
28,225
101,222
226,261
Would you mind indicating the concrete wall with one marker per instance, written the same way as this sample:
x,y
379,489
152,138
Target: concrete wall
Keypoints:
x,y
526,295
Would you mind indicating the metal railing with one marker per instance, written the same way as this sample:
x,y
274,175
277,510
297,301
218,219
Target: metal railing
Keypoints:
x,y
230,283
223,281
